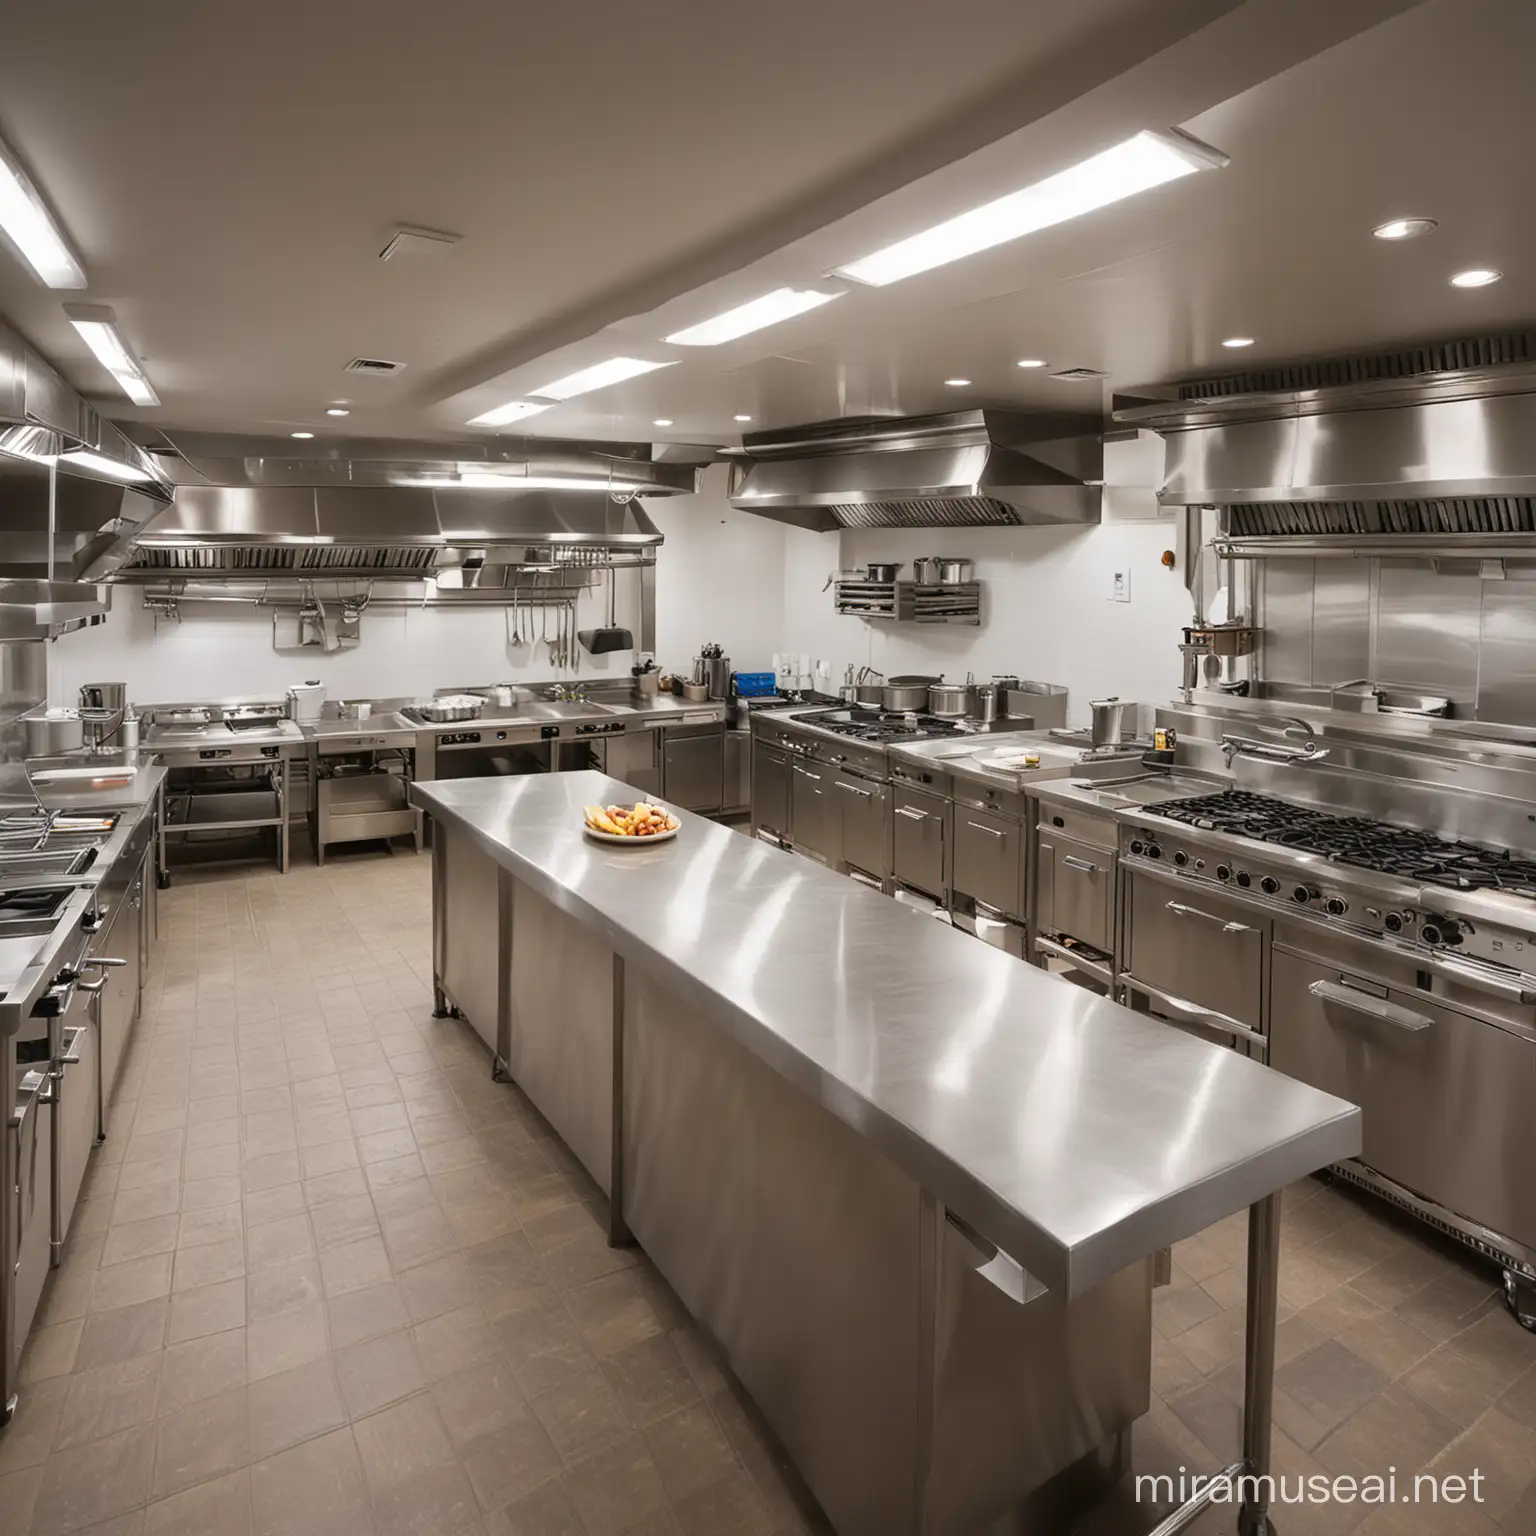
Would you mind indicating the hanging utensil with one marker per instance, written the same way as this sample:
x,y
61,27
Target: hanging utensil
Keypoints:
x,y
608,637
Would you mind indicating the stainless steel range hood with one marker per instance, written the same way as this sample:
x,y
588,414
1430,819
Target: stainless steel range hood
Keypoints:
x,y
249,510
72,487
966,469
1438,461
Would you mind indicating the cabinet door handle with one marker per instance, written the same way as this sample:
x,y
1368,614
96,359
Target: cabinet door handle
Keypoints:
x,y
1180,910
1073,862
910,814
806,773
1371,1007
853,789
976,826
103,960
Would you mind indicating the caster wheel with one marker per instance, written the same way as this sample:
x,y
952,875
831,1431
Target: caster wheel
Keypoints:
x,y
1520,1298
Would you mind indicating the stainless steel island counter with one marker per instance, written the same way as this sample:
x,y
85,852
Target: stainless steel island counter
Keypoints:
x,y
910,1184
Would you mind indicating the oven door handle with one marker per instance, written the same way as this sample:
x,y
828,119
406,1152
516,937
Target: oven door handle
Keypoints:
x,y
1180,910
1378,1008
1193,1011
1514,991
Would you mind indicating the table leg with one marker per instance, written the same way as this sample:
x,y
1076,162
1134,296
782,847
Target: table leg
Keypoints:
x,y
1259,1362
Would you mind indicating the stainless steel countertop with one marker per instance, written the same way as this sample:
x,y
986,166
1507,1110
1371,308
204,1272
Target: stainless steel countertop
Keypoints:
x,y
387,722
78,796
1076,1135
1139,787
964,757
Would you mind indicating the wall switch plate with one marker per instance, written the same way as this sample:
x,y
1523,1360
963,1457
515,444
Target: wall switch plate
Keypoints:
x,y
1120,587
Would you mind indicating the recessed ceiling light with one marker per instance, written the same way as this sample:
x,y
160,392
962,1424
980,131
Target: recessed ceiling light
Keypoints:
x,y
662,421
301,434
1238,341
1031,362
598,376
337,410
513,410
957,383
781,304
97,326
24,216
1137,165
740,417
1404,229
1475,277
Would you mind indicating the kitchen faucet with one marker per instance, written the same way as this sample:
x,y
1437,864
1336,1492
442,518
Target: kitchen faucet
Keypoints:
x,y
1309,752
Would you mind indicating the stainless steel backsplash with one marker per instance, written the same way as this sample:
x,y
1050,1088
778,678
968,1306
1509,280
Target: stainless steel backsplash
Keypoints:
x,y
1405,625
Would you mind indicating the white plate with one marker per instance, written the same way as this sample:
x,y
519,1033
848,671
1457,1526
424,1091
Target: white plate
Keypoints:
x,y
630,842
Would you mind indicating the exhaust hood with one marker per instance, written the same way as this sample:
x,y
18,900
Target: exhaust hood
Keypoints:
x,y
965,469
1408,457
250,510
62,467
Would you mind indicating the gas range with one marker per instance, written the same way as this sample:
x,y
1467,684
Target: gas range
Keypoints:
x,y
881,728
1399,884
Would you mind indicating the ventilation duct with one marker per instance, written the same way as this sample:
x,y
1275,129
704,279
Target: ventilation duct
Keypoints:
x,y
967,469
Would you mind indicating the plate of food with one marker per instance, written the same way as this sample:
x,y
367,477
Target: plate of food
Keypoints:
x,y
631,825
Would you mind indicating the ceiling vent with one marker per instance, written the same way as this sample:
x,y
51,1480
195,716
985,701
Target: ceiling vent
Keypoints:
x,y
1073,375
377,366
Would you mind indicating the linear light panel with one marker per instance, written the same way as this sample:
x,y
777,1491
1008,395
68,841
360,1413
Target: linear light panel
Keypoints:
x,y
116,468
755,315
513,410
97,326
1148,160
24,216
583,382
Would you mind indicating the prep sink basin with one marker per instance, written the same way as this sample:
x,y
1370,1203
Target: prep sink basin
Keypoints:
x,y
565,709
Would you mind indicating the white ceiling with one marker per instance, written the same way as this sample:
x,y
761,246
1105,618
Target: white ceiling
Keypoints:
x,y
229,175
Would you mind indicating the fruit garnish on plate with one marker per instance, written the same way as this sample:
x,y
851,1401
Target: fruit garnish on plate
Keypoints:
x,y
638,820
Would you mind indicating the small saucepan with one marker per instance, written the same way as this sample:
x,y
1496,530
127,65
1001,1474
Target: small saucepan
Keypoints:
x,y
881,571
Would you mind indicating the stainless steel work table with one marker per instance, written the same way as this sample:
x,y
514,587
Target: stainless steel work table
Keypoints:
x,y
1074,1135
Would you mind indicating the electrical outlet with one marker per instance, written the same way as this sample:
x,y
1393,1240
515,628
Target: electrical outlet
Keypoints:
x,y
1120,587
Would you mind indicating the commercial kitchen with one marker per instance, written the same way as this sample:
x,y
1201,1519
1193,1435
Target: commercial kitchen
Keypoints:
x,y
751,788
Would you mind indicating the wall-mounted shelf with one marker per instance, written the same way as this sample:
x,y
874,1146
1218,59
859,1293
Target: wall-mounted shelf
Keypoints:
x,y
916,602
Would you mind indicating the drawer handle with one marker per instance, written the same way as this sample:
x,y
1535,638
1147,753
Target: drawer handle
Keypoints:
x,y
1193,1011
852,789
976,826
1371,1007
910,814
806,773
1180,910
1073,862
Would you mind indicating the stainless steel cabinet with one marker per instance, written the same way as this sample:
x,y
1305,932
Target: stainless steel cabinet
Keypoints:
x,y
770,789
693,766
989,859
864,839
1075,891
813,813
30,1138
635,758
1197,950
920,828
738,771
76,1110
116,1006
1444,1095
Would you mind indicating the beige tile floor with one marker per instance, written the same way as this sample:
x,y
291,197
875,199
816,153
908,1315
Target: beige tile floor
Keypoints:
x,y
328,1278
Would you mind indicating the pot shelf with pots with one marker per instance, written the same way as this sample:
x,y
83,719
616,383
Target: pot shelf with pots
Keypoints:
x,y
919,602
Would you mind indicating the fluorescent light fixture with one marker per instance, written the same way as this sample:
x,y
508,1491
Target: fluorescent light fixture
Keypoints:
x,y
301,434
97,326
662,421
491,480
957,383
1475,277
1404,229
1137,165
337,410
1238,341
116,468
24,216
781,304
740,417
513,410
598,376
1031,362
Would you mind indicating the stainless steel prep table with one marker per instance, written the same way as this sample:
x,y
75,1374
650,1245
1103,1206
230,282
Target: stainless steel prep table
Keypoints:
x,y
1068,1137
359,774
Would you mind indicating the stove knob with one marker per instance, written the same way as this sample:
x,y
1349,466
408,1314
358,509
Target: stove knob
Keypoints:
x,y
1430,933
1336,906
1269,885
1137,846
1153,851
1181,858
1244,879
1223,871
1450,931
1199,863
1393,922
1304,893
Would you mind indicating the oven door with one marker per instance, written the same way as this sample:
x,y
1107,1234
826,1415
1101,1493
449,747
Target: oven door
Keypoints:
x,y
1446,1097
1198,958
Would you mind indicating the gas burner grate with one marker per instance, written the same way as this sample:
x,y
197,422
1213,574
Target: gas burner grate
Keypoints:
x,y
878,727
1404,852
